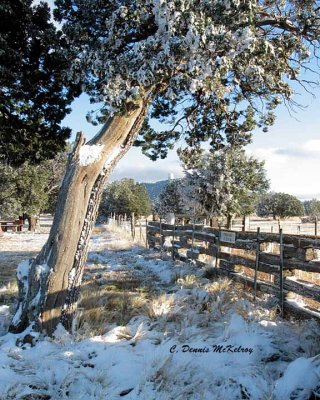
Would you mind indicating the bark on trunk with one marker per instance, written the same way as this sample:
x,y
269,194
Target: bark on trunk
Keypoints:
x,y
244,218
48,293
32,223
229,221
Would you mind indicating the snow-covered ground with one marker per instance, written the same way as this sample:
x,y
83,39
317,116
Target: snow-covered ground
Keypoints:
x,y
189,338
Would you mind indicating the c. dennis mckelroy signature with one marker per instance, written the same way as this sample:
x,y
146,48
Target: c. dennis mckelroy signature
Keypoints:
x,y
215,348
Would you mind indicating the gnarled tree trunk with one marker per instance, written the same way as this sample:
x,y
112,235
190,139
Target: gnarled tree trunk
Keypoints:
x,y
49,285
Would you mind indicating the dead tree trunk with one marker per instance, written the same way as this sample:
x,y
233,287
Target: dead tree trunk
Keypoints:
x,y
49,285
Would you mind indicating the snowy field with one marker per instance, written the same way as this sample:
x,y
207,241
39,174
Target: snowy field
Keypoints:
x,y
290,226
150,329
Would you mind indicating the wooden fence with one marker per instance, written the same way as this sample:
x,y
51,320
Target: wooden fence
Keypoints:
x,y
282,265
135,227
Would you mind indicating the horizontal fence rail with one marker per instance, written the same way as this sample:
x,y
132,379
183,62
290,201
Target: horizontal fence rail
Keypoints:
x,y
279,264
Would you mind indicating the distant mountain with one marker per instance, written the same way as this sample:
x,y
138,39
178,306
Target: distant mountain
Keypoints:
x,y
154,189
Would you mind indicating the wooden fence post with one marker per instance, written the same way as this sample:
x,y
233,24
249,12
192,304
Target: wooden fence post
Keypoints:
x,y
218,247
173,238
147,234
133,223
140,229
316,226
161,244
257,263
192,244
281,273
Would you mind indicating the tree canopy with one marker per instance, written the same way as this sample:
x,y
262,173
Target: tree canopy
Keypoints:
x,y
29,189
34,94
210,71
170,200
23,189
223,183
312,207
125,197
281,205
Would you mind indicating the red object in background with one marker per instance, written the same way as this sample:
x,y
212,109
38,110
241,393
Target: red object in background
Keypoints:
x,y
19,223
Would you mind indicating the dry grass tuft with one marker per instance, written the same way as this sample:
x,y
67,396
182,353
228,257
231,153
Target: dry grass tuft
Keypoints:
x,y
221,285
188,281
100,307
160,306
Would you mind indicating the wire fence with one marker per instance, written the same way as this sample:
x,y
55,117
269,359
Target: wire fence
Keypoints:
x,y
136,228
274,226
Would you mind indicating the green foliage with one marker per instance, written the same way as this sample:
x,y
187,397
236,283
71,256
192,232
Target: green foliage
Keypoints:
x,y
170,199
10,204
280,205
223,183
34,97
125,197
23,189
211,71
312,207
56,168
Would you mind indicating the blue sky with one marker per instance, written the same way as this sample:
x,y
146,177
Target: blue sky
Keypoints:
x,y
291,148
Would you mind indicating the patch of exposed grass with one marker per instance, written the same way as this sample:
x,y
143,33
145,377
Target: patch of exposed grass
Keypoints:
x,y
188,281
160,306
101,306
220,285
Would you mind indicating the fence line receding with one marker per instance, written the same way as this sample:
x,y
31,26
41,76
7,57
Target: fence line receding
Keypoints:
x,y
284,265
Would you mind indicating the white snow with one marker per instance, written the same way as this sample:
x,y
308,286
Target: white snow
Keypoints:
x,y
5,318
17,315
112,157
41,270
72,274
198,340
302,375
88,154
36,298
23,270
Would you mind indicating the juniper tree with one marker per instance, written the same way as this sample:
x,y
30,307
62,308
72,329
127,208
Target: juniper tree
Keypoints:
x,y
34,96
56,169
209,70
280,205
24,190
312,207
225,183
170,200
125,197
